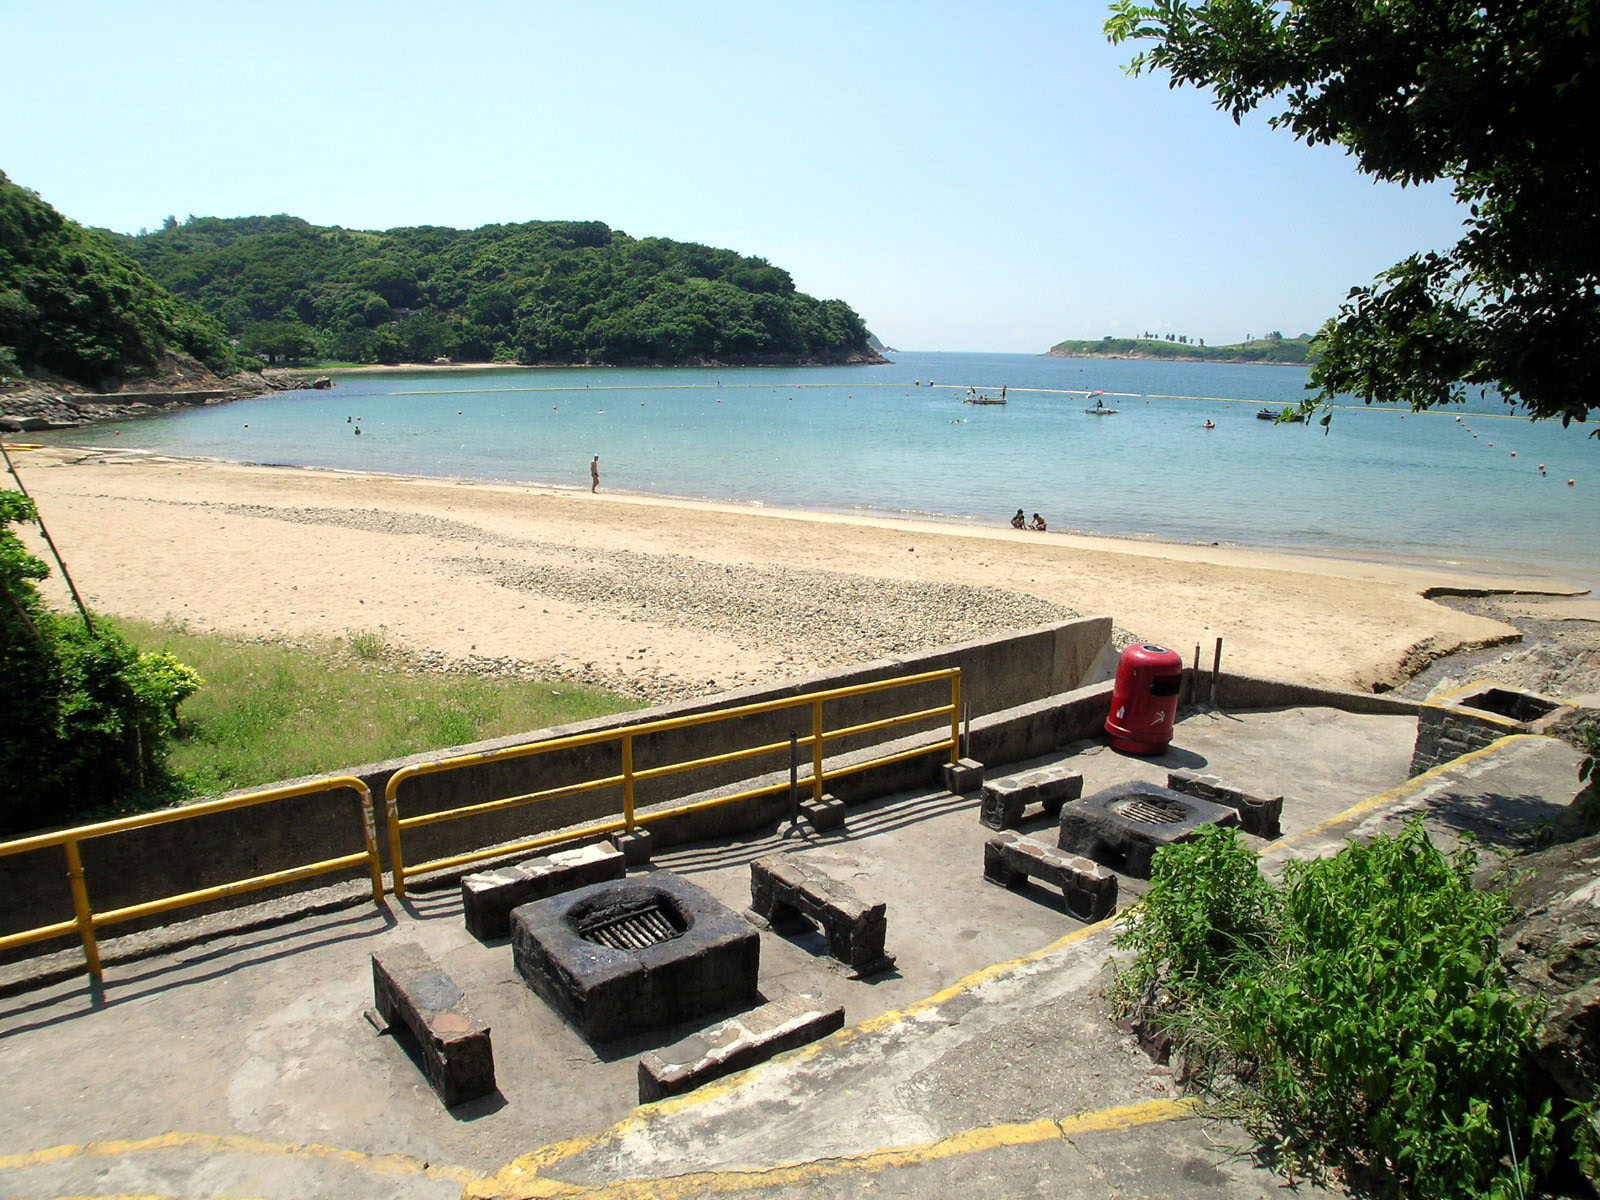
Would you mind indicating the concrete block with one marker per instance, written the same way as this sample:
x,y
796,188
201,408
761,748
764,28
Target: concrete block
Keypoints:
x,y
1259,815
609,988
784,888
634,844
823,814
488,897
1005,799
963,776
411,991
1123,826
1010,860
735,1045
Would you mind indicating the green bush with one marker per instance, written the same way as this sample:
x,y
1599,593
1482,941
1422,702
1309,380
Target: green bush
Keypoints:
x,y
85,719
1365,1021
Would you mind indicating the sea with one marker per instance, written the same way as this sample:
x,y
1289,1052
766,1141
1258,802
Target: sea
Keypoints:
x,y
1475,486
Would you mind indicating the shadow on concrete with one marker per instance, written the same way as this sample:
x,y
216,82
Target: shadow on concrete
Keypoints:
x,y
243,949
863,820
1500,821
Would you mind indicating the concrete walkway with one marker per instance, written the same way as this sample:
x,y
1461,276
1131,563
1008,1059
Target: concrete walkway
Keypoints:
x,y
241,1067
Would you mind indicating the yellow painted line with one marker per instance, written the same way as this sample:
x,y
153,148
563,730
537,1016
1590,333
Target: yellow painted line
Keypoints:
x,y
1444,700
512,1184
1400,792
382,1164
531,1163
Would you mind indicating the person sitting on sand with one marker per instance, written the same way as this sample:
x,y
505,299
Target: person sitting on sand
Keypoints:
x,y
1038,523
1019,521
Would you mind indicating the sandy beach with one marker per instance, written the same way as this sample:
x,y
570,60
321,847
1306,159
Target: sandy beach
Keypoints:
x,y
664,598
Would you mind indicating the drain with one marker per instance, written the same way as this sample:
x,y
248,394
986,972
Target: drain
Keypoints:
x,y
1150,814
632,930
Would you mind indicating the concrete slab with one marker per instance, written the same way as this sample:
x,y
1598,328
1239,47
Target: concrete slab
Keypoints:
x,y
242,1066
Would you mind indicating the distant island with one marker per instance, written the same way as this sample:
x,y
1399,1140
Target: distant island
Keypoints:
x,y
1274,348
539,292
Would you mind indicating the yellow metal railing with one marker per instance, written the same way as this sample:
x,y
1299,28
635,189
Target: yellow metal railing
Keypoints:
x,y
628,776
85,920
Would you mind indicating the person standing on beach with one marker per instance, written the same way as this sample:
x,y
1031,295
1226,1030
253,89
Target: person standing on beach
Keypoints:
x,y
594,473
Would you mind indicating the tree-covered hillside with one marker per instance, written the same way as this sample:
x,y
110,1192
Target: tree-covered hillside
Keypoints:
x,y
73,302
544,291
1270,349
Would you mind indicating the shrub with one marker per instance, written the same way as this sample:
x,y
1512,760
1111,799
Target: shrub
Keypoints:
x,y
1372,1025
85,719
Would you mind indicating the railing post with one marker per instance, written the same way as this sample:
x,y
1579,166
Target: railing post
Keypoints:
x,y
369,830
627,781
955,716
80,903
391,805
816,750
794,778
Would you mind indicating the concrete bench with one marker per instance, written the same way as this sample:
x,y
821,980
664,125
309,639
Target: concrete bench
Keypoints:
x,y
1260,815
412,992
1005,798
488,897
734,1045
1090,890
783,888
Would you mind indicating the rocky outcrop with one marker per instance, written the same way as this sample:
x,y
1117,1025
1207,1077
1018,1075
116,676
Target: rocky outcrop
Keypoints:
x,y
1552,950
49,402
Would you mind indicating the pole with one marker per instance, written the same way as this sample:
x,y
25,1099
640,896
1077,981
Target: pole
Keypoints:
x,y
794,778
49,541
1216,669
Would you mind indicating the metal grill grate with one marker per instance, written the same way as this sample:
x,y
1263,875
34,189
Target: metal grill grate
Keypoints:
x,y
632,930
1151,814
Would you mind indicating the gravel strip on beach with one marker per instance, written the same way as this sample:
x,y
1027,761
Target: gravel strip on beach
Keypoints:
x,y
805,614
803,617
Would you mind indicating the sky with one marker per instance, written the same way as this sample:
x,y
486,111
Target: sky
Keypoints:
x,y
967,176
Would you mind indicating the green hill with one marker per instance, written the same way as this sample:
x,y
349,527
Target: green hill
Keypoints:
x,y
543,291
1266,350
73,302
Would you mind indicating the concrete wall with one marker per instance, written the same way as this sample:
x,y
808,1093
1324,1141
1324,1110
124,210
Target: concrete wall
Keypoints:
x,y
997,673
1244,692
1458,722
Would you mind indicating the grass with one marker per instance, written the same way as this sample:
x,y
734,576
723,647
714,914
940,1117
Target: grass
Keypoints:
x,y
267,713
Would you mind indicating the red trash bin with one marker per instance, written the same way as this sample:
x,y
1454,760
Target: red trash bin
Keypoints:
x,y
1144,700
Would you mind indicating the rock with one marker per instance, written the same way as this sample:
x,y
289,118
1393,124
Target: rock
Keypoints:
x,y
1552,950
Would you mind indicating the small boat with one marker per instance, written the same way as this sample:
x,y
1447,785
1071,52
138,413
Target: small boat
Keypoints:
x,y
983,400
1100,410
1209,425
1272,414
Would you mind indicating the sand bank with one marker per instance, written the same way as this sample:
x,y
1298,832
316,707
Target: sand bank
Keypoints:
x,y
671,598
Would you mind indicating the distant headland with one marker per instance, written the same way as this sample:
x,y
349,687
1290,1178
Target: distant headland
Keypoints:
x,y
1274,348
202,305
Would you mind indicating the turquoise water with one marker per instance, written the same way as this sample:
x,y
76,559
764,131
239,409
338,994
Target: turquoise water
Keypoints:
x,y
879,440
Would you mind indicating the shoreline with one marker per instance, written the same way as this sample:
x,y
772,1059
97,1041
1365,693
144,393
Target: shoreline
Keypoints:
x,y
668,597
408,368
1470,577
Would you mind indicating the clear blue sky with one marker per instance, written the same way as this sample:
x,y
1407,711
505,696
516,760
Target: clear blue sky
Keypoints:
x,y
969,177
